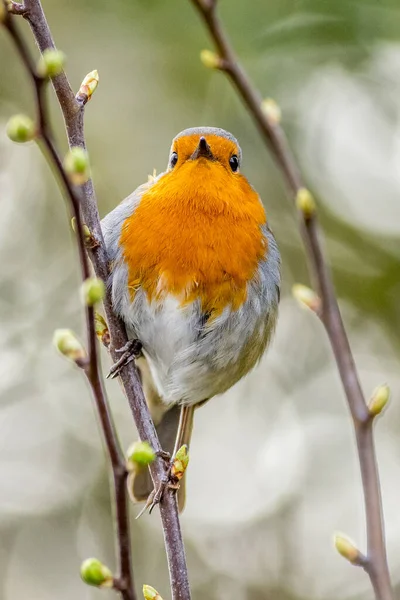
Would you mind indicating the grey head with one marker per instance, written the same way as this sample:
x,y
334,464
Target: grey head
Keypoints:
x,y
203,147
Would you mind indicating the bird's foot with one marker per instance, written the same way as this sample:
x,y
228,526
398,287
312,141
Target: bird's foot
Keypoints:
x,y
169,481
131,351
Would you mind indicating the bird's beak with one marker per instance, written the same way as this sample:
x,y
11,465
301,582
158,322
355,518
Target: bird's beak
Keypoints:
x,y
202,150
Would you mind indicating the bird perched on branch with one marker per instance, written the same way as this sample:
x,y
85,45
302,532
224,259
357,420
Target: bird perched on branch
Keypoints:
x,y
195,275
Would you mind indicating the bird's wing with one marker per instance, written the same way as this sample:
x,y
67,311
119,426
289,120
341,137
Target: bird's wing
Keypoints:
x,y
111,226
270,268
112,223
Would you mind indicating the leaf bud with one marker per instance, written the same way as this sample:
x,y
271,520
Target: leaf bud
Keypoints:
x,y
306,297
102,331
347,549
210,59
89,85
150,593
76,165
68,345
87,236
140,454
305,202
51,63
93,291
380,397
180,463
20,129
93,572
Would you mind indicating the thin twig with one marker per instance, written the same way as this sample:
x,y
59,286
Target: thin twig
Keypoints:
x,y
376,565
73,114
124,582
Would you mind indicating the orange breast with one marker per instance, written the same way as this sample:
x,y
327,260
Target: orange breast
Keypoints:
x,y
196,235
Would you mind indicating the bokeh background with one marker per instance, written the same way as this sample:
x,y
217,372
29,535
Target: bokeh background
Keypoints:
x,y
273,469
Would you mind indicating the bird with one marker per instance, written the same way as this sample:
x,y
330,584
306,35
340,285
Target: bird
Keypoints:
x,y
195,275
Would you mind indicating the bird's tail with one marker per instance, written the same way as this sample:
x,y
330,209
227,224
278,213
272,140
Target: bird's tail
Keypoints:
x,y
166,421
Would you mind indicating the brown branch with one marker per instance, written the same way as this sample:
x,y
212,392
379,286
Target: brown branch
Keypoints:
x,y
73,112
376,560
124,582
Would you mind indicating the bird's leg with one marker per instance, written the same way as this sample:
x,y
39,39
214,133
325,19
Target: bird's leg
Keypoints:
x,y
131,351
169,480
184,418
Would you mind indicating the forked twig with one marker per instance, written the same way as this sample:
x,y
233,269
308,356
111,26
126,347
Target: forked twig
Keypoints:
x,y
375,562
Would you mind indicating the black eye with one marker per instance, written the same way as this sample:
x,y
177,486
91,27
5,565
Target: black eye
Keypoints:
x,y
173,160
234,162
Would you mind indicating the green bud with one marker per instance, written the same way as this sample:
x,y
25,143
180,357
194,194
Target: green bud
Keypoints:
x,y
93,291
101,327
150,593
210,59
181,462
93,572
347,548
51,63
68,345
20,129
140,454
379,399
76,165
87,236
305,202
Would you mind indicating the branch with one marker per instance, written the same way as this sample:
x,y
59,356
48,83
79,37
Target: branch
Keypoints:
x,y
273,135
90,364
73,111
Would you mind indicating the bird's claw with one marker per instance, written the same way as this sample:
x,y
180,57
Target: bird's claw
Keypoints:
x,y
164,455
168,481
129,352
157,494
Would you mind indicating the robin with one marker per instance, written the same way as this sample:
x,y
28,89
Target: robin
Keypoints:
x,y
195,275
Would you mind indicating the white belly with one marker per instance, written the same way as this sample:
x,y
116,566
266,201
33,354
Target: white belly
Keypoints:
x,y
192,361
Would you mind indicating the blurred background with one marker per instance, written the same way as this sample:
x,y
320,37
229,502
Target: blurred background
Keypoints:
x,y
259,525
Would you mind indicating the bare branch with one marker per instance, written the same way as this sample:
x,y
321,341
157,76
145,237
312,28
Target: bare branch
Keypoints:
x,y
73,112
376,561
35,16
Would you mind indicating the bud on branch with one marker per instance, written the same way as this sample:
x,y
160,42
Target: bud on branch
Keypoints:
x,y
69,346
93,572
150,593
180,463
348,549
102,332
93,291
210,59
305,296
139,455
76,165
51,63
21,129
305,203
380,397
88,86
